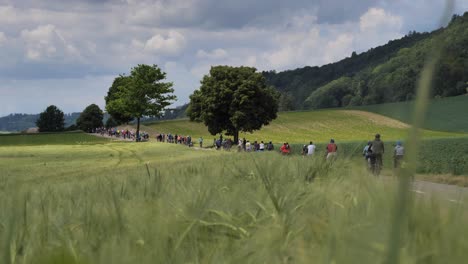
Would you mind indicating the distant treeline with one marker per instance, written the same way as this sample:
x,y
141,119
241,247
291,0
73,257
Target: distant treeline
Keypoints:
x,y
384,74
21,122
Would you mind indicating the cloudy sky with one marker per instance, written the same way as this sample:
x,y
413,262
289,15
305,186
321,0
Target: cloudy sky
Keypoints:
x,y
68,52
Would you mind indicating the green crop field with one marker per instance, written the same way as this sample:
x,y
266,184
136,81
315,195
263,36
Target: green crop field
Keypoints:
x,y
444,114
70,138
301,127
164,203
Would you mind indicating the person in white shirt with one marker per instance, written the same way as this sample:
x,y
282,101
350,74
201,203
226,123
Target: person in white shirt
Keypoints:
x,y
247,146
262,146
310,149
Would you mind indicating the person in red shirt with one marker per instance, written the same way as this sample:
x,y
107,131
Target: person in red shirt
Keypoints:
x,y
285,149
332,149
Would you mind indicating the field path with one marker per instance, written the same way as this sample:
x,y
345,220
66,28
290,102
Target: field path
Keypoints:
x,y
450,193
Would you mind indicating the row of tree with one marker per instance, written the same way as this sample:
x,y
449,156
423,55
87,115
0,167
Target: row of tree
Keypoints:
x,y
53,120
230,100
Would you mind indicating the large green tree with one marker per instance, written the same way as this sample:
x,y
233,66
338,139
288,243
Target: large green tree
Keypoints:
x,y
233,99
117,116
51,120
90,118
142,93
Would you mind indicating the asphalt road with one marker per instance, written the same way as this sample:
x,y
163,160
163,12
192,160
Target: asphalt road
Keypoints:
x,y
450,193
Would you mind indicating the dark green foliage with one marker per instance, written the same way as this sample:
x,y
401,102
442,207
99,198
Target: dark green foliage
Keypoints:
x,y
72,128
51,120
233,99
118,116
90,118
143,93
385,74
444,156
334,94
110,123
286,102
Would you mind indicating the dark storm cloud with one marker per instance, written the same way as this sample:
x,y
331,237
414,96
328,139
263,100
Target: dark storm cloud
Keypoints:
x,y
241,13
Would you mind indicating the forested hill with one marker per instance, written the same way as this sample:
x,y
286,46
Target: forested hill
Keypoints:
x,y
20,122
384,74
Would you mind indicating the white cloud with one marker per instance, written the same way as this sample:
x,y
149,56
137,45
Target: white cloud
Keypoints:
x,y
214,54
377,19
46,41
172,44
339,48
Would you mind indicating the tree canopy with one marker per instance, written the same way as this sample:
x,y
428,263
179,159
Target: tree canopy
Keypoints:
x,y
233,99
112,94
142,93
90,118
51,120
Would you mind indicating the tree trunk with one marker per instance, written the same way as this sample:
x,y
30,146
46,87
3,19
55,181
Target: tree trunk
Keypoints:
x,y
138,130
236,138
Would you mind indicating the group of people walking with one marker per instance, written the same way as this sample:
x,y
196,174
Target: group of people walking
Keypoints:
x,y
373,154
176,139
125,134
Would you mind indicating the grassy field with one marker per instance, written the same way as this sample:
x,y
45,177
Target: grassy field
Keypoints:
x,y
302,127
444,114
163,203
71,138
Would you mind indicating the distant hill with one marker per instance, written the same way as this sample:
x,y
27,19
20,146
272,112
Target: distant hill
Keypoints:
x,y
381,75
20,122
444,114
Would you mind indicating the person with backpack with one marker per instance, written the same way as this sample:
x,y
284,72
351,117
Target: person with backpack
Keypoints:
x,y
332,149
270,146
304,150
367,152
398,154
378,149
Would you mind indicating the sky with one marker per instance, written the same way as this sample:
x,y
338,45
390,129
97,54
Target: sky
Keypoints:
x,y
67,53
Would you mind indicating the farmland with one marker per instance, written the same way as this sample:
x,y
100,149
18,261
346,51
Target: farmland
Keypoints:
x,y
78,198
71,138
444,114
164,203
301,127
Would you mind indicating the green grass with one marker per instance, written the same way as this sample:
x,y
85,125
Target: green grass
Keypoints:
x,y
164,203
301,127
444,114
70,138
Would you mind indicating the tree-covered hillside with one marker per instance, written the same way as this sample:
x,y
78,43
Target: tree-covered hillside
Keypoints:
x,y
20,122
384,74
